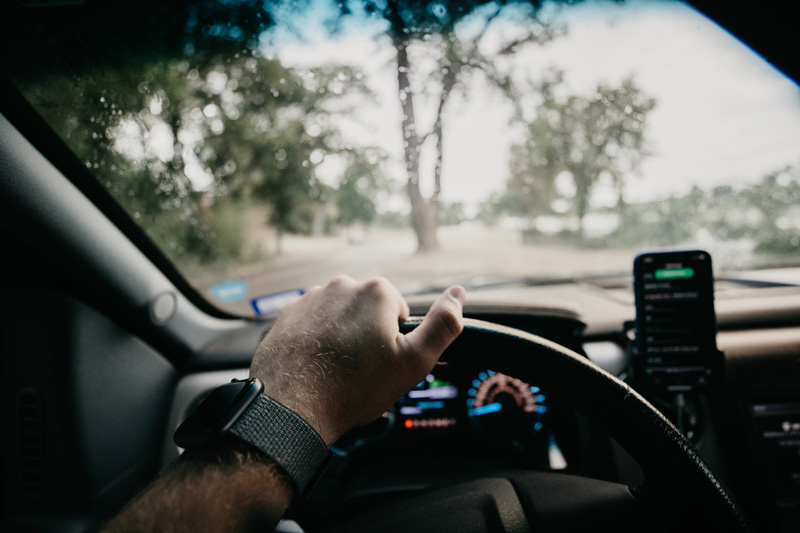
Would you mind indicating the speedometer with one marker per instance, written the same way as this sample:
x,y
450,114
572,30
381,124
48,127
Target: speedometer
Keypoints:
x,y
505,406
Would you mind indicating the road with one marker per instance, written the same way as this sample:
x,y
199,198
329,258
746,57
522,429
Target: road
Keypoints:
x,y
466,251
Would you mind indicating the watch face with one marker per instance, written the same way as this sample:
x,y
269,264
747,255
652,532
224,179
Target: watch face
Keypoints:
x,y
217,412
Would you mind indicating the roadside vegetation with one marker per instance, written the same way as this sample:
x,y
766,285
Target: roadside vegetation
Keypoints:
x,y
211,143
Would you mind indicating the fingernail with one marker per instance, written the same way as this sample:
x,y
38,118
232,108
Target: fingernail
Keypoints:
x,y
458,292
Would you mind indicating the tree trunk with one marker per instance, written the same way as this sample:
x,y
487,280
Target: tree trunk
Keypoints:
x,y
278,240
424,213
448,82
582,201
424,219
318,221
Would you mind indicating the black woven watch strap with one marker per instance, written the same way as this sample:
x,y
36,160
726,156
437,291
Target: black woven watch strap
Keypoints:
x,y
283,436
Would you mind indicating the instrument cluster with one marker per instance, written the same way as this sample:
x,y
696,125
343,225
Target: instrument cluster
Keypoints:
x,y
474,407
485,401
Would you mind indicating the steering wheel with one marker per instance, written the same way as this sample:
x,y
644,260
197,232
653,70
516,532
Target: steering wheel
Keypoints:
x,y
678,482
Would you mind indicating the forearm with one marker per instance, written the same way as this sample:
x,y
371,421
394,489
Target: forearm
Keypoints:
x,y
229,491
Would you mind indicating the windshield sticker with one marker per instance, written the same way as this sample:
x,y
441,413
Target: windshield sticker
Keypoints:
x,y
272,303
230,290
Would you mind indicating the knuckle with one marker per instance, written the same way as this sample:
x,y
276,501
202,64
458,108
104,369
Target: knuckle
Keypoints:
x,y
341,280
376,284
379,288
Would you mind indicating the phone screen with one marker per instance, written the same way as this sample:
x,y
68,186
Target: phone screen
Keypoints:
x,y
675,320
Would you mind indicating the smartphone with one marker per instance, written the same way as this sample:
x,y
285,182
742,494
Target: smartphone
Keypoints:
x,y
675,325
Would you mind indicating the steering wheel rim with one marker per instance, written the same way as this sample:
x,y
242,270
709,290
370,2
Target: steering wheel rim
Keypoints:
x,y
663,452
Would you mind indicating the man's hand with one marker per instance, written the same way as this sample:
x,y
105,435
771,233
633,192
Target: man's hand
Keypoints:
x,y
337,358
336,355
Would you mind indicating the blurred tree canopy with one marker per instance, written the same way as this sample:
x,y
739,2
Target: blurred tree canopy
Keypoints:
x,y
199,124
359,187
220,39
427,29
764,215
248,129
582,138
197,115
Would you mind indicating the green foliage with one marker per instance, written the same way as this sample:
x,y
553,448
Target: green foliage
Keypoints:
x,y
582,137
393,219
452,214
225,221
359,187
765,214
667,222
504,203
185,142
782,243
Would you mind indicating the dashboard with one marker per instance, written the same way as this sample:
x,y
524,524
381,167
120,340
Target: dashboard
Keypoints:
x,y
467,421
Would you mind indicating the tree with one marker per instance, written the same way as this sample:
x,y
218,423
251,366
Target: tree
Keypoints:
x,y
115,87
670,221
168,138
767,212
583,137
430,26
502,203
452,214
275,132
359,187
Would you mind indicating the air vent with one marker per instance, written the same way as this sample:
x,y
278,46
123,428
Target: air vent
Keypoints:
x,y
31,445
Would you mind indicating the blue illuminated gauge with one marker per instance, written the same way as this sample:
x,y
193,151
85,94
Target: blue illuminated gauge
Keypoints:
x,y
499,402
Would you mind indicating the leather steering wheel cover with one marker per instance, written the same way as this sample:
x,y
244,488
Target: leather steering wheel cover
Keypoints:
x,y
660,448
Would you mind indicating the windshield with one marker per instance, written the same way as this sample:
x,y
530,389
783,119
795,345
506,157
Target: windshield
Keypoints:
x,y
268,146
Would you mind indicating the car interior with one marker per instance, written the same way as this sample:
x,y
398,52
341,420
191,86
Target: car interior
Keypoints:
x,y
106,348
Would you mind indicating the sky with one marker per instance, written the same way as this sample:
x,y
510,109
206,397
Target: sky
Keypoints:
x,y
723,115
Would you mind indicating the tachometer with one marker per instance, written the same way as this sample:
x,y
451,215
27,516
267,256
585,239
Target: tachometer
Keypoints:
x,y
505,406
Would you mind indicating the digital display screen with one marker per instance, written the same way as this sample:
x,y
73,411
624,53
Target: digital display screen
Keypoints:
x,y
434,404
778,426
675,320
479,408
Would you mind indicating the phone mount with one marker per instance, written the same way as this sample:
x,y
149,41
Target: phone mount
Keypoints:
x,y
669,379
679,395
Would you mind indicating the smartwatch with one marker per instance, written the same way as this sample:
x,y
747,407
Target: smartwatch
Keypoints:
x,y
240,409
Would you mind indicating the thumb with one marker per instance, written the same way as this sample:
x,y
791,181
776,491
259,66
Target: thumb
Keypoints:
x,y
441,325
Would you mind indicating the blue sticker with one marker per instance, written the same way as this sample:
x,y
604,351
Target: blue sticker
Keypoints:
x,y
272,303
230,290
